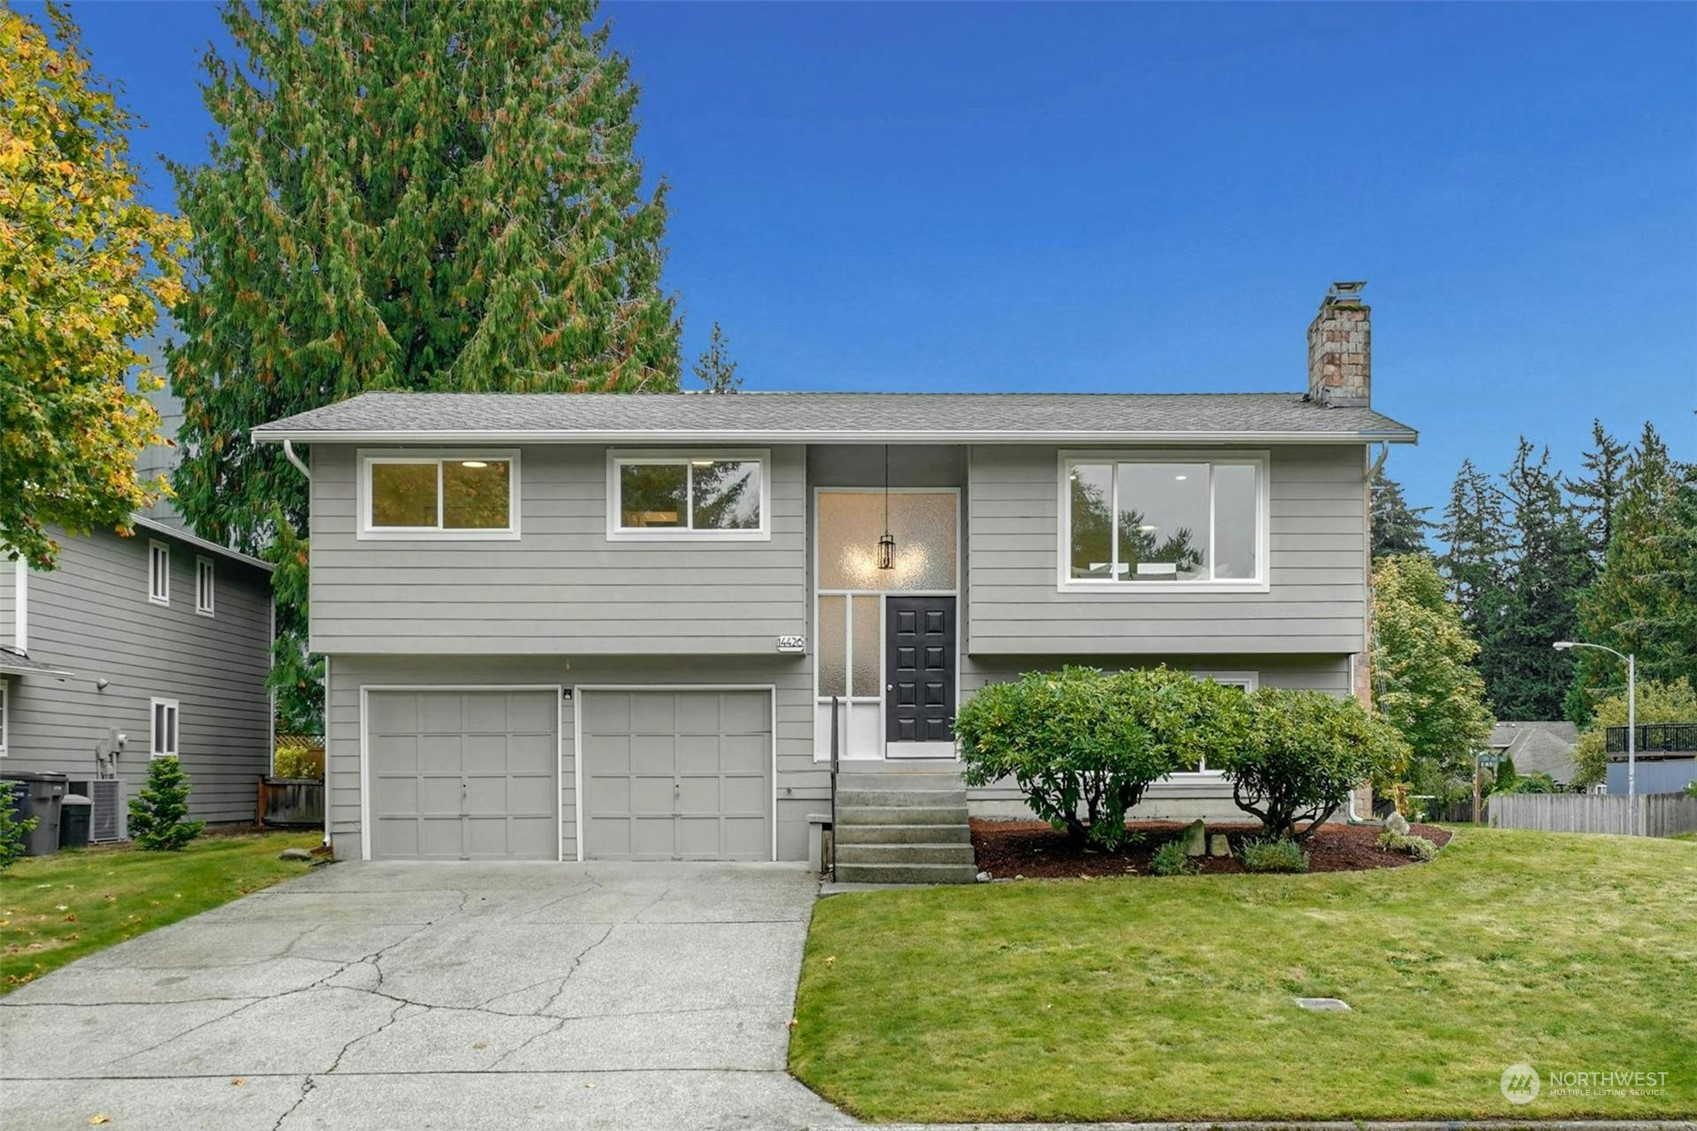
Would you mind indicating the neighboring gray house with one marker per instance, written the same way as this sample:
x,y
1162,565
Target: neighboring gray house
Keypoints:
x,y
161,638
1539,748
611,626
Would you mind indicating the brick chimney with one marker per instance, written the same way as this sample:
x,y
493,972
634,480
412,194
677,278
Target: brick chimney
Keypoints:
x,y
1340,350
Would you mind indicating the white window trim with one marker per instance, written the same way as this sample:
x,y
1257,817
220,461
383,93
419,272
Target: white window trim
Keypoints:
x,y
153,706
1249,681
158,587
369,533
1065,583
617,458
5,714
205,586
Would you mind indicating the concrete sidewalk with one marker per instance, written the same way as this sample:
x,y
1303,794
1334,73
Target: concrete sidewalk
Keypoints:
x,y
434,996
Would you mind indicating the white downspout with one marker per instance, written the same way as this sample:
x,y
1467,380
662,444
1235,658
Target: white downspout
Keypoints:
x,y
289,453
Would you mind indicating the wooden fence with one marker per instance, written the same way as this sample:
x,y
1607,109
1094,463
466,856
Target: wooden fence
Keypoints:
x,y
1652,814
290,801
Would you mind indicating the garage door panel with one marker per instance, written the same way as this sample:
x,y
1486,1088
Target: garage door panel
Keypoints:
x,y
392,713
395,838
440,753
487,714
397,753
533,837
441,713
697,786
532,754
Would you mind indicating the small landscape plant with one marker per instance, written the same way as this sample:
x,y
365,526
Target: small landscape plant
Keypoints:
x,y
157,813
1170,860
12,830
1273,854
1416,846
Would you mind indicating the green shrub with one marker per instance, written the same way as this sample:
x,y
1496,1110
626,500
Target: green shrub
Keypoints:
x,y
1416,846
1083,745
1691,788
1273,854
12,830
296,759
1303,753
157,812
1170,860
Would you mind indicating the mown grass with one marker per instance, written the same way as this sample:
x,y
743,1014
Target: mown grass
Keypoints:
x,y
1172,998
56,909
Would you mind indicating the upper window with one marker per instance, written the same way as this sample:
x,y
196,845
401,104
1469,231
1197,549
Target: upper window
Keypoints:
x,y
164,740
459,495
1164,521
205,575
159,573
708,495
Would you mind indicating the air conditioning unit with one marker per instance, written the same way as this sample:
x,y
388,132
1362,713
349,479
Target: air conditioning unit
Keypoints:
x,y
109,820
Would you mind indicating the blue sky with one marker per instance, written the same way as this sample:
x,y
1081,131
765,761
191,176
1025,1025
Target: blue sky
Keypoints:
x,y
1154,197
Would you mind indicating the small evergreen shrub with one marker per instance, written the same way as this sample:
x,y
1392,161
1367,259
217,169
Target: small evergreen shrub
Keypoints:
x,y
157,813
12,830
1691,788
1273,854
1416,846
1170,860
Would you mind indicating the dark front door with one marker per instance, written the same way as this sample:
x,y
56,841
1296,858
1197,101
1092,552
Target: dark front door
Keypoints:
x,y
919,696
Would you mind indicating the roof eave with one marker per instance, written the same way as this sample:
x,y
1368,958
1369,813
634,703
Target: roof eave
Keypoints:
x,y
154,526
272,435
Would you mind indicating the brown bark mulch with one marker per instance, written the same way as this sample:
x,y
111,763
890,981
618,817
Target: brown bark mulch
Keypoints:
x,y
1033,850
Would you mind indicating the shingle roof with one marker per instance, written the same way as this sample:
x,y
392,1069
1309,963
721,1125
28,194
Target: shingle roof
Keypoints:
x,y
834,417
1539,748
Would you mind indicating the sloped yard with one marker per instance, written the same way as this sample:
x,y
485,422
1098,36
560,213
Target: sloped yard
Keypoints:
x,y
1173,999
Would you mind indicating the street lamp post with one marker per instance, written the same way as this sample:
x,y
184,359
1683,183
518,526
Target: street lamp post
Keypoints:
x,y
1631,659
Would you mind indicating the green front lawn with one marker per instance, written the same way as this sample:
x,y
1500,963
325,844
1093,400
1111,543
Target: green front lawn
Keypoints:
x,y
55,909
1149,998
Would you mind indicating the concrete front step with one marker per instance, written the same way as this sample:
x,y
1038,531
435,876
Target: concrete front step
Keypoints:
x,y
854,797
898,780
904,854
864,815
851,833
906,873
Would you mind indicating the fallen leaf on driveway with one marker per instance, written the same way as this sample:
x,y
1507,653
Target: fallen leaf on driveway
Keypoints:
x,y
238,1082
100,1119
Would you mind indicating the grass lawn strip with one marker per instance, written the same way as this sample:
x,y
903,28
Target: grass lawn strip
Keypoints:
x,y
56,909
1128,999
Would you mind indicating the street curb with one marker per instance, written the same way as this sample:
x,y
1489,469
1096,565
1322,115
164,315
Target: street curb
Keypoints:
x,y
1319,1125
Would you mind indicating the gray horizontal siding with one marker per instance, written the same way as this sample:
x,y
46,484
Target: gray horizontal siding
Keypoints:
x,y
803,786
91,617
562,588
1317,598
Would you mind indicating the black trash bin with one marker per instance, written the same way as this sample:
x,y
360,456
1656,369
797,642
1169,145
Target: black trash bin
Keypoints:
x,y
42,794
74,813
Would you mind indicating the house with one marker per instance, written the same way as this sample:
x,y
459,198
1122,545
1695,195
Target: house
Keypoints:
x,y
1665,755
628,626
1539,748
134,648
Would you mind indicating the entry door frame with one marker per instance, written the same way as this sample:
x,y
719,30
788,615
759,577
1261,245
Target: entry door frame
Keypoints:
x,y
365,690
771,690
956,592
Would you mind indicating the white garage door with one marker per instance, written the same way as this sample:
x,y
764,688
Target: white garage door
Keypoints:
x,y
463,775
677,775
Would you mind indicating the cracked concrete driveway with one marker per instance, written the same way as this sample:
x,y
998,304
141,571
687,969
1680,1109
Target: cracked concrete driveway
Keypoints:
x,y
446,996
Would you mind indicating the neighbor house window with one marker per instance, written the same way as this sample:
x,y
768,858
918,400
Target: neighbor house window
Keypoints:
x,y
706,495
463,495
204,576
159,573
1244,681
1164,521
164,741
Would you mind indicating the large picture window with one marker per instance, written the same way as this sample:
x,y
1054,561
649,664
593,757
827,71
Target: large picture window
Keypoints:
x,y
463,495
706,495
1164,521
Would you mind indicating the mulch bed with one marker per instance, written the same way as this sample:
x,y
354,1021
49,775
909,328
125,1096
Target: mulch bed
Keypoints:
x,y
1035,851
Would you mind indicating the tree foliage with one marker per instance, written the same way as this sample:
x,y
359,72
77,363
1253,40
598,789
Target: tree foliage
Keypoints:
x,y
714,368
1658,702
84,269
1596,495
1397,527
1476,538
158,812
420,196
1423,680
13,830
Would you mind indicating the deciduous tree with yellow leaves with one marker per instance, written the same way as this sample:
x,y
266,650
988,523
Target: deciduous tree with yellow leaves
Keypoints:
x,y
84,272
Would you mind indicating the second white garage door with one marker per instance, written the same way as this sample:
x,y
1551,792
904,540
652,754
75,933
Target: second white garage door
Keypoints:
x,y
676,775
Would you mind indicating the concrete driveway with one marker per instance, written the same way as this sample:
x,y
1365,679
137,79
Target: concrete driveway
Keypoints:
x,y
442,996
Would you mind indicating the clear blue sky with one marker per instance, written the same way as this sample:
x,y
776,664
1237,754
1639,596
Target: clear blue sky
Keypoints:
x,y
1153,197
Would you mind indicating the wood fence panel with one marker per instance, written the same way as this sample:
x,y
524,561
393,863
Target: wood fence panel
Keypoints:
x,y
1657,814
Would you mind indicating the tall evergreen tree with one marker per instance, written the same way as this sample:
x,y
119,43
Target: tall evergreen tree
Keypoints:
x,y
1596,496
1476,539
1645,600
714,368
414,196
1397,527
1546,569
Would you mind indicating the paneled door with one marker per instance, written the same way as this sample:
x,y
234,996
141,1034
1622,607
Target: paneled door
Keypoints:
x,y
919,673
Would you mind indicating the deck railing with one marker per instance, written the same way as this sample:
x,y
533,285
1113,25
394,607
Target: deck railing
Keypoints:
x,y
1655,738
